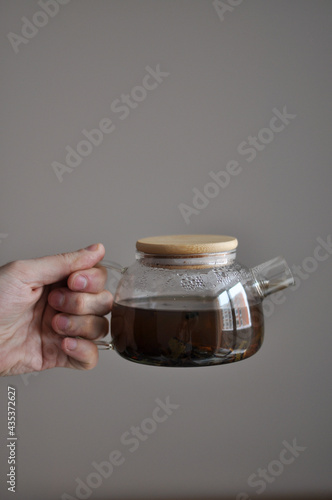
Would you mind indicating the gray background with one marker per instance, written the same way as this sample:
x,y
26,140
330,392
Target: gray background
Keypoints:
x,y
225,78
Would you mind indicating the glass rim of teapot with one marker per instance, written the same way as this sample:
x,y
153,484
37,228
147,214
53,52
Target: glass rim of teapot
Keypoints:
x,y
189,261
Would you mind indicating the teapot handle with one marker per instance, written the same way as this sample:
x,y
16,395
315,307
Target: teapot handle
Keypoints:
x,y
113,265
103,345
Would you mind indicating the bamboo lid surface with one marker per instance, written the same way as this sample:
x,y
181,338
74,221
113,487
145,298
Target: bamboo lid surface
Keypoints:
x,y
186,244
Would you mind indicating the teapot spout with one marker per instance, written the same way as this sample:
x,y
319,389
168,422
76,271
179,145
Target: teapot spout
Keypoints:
x,y
272,276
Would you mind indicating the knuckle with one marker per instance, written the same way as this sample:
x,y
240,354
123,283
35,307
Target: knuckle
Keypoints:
x,y
100,271
107,298
72,327
80,303
105,327
103,272
97,278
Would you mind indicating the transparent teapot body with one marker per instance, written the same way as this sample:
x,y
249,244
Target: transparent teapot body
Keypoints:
x,y
183,311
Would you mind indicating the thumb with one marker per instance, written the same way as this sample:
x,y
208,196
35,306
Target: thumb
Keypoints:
x,y
53,268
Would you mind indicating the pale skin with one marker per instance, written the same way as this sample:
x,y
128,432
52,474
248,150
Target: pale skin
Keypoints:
x,y
45,304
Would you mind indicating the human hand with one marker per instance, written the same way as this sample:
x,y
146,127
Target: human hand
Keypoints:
x,y
45,303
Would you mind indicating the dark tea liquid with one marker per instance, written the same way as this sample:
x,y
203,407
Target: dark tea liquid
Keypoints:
x,y
177,333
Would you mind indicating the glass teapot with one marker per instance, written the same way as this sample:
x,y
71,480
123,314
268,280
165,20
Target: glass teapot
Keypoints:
x,y
187,302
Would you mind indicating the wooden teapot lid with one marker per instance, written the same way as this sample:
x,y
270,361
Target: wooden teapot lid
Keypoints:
x,y
186,244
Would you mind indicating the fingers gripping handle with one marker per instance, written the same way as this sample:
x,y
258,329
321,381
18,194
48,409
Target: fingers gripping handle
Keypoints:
x,y
113,266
